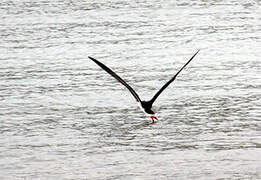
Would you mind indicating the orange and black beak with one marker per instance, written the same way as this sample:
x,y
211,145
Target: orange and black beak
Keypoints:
x,y
152,118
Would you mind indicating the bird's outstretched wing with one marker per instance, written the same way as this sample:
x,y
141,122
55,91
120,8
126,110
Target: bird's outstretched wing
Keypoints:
x,y
171,80
113,74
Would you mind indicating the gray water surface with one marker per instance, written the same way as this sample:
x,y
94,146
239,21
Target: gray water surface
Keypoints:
x,y
62,117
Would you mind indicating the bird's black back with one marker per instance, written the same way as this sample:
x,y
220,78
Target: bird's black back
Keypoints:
x,y
147,105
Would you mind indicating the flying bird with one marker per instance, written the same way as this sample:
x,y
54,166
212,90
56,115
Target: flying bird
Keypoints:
x,y
145,105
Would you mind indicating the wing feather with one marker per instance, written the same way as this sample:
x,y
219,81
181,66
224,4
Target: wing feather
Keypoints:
x,y
171,80
113,74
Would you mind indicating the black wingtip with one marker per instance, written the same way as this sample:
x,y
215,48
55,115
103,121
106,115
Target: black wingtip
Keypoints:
x,y
94,60
192,57
91,58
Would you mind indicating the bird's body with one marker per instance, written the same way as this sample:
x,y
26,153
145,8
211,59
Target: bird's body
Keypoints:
x,y
145,105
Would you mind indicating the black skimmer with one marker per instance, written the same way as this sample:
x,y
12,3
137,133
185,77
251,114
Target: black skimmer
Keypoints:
x,y
145,105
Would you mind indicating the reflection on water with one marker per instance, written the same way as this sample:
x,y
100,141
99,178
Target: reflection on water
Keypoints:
x,y
63,117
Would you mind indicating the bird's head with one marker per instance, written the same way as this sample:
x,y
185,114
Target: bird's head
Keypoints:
x,y
153,117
